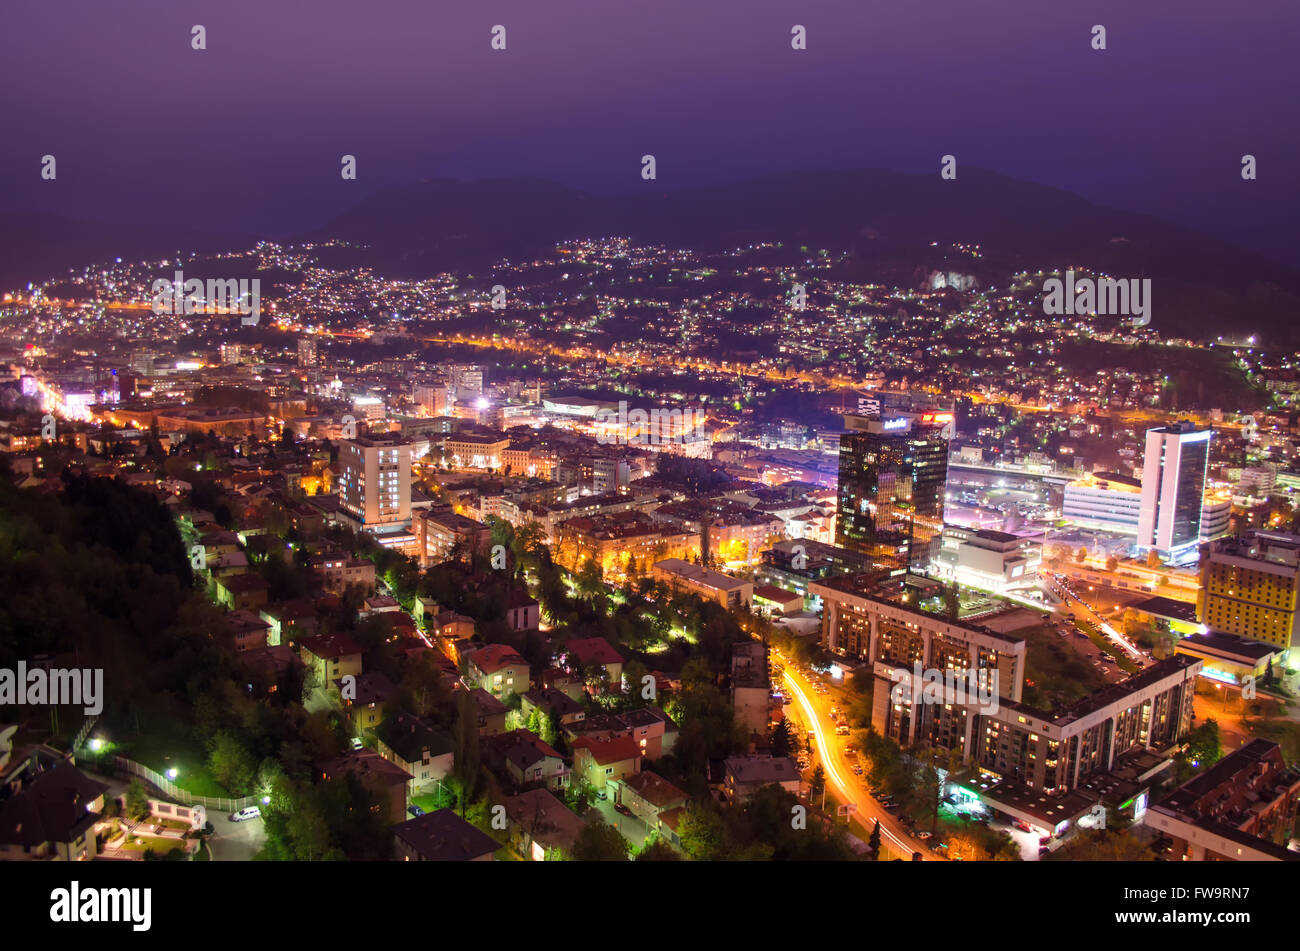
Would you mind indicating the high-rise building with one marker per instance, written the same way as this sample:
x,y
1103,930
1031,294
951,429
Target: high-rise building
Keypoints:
x,y
307,352
466,381
433,397
1250,586
1173,488
892,477
375,480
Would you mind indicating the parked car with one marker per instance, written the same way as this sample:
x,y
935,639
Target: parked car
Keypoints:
x,y
602,796
923,835
1022,825
248,812
1044,840
357,744
1044,850
622,809
415,811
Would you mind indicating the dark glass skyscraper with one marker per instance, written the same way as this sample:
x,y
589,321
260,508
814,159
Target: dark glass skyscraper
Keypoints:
x,y
893,473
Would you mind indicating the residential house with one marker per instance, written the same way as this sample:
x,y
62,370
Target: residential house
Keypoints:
x,y
441,836
649,796
413,744
389,781
339,571
424,610
552,703
653,730
541,827
242,592
499,669
331,657
744,775
365,708
600,762
450,625
52,816
523,613
289,621
491,713
248,630
524,758
598,659
567,682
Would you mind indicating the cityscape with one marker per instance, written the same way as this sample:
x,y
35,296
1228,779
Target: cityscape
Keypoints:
x,y
742,525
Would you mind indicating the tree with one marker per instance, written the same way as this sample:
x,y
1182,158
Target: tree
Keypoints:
x,y
423,689
1081,555
1102,845
600,842
231,763
875,841
782,738
951,603
137,801
702,831
817,784
1204,748
657,850
466,762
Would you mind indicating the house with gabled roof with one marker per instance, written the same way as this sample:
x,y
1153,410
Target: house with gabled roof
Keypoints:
x,y
415,745
523,758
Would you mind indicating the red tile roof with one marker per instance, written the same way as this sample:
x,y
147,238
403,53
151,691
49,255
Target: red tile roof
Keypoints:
x,y
494,657
613,750
594,650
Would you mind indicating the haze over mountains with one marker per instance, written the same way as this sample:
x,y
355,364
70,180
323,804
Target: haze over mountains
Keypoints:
x,y
888,220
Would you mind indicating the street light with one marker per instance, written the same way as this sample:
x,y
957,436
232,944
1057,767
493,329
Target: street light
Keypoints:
x,y
171,773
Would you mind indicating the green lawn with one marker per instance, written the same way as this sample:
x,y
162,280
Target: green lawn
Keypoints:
x,y
443,800
160,846
167,745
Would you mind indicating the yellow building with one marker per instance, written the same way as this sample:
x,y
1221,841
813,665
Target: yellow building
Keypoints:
x,y
1250,586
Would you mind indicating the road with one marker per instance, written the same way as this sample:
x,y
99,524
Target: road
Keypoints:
x,y
1078,607
839,772
235,841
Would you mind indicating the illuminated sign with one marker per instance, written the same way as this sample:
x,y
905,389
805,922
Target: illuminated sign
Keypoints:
x,y
899,423
936,417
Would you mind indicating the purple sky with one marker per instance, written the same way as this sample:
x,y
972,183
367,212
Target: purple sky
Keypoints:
x,y
248,134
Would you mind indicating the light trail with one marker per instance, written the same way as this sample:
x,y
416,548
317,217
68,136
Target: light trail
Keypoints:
x,y
832,773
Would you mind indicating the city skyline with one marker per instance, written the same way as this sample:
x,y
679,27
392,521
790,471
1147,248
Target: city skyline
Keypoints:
x,y
693,433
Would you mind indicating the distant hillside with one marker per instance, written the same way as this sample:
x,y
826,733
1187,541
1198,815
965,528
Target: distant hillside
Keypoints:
x,y
1200,285
34,247
888,219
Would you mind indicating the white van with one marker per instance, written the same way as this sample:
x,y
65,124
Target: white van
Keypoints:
x,y
250,812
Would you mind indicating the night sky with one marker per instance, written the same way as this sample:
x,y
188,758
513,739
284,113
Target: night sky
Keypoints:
x,y
247,135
